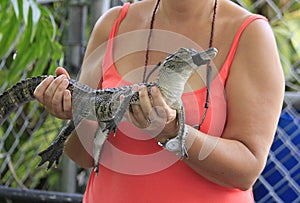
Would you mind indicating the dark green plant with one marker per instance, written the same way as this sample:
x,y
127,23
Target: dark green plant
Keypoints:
x,y
30,45
284,17
28,40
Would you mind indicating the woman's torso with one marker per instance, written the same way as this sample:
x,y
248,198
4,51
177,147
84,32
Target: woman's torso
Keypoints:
x,y
134,168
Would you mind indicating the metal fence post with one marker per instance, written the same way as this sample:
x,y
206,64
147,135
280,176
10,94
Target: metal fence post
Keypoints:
x,y
77,15
97,8
76,40
116,3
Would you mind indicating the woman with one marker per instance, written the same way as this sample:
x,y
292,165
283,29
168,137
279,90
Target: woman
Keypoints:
x,y
228,141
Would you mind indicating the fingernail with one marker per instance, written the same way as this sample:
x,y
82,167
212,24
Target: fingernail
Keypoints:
x,y
66,82
135,88
153,90
50,77
67,93
142,87
62,76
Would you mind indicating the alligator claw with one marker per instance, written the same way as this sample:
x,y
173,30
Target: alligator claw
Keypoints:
x,y
51,154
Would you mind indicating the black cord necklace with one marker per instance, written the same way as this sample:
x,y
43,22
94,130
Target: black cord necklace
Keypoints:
x,y
208,69
149,39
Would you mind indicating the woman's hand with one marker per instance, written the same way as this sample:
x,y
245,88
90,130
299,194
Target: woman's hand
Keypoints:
x,y
54,95
157,118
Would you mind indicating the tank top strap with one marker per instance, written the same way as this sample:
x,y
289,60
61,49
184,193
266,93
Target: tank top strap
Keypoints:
x,y
108,58
119,20
227,64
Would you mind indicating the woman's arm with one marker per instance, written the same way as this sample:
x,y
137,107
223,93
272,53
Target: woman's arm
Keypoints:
x,y
79,146
254,93
55,97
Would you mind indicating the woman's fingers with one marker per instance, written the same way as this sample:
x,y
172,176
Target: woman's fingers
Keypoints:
x,y
54,93
67,103
55,96
145,102
160,103
61,71
138,116
155,117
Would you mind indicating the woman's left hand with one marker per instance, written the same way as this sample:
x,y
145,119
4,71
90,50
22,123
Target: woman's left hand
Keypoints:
x,y
157,118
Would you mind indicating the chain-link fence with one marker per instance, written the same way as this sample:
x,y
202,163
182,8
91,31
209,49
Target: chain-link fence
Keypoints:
x,y
280,180
22,136
30,129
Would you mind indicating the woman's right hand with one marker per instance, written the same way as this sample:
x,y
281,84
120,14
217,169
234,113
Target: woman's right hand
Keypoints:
x,y
54,95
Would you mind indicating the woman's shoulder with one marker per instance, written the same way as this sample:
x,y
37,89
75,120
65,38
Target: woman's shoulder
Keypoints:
x,y
104,24
232,19
136,14
232,14
236,16
257,48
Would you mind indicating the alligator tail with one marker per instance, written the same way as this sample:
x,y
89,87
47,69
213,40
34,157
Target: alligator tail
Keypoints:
x,y
17,95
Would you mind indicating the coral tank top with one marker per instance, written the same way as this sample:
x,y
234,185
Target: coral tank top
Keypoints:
x,y
135,169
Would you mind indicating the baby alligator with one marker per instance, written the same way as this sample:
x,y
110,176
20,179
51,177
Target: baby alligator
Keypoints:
x,y
106,104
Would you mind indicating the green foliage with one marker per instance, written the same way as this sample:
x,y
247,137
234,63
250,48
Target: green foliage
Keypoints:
x,y
23,159
288,39
30,45
286,28
28,40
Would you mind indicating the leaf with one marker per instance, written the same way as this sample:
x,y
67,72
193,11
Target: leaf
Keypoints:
x,y
10,32
21,63
16,7
38,49
285,49
36,14
25,10
295,34
48,13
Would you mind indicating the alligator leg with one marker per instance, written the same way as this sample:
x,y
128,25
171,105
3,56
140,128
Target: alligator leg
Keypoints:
x,y
181,131
102,133
99,139
55,150
124,104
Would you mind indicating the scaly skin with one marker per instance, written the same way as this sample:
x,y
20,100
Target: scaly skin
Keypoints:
x,y
106,105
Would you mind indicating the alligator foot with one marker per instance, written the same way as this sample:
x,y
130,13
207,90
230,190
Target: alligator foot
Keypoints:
x,y
99,139
51,154
55,150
